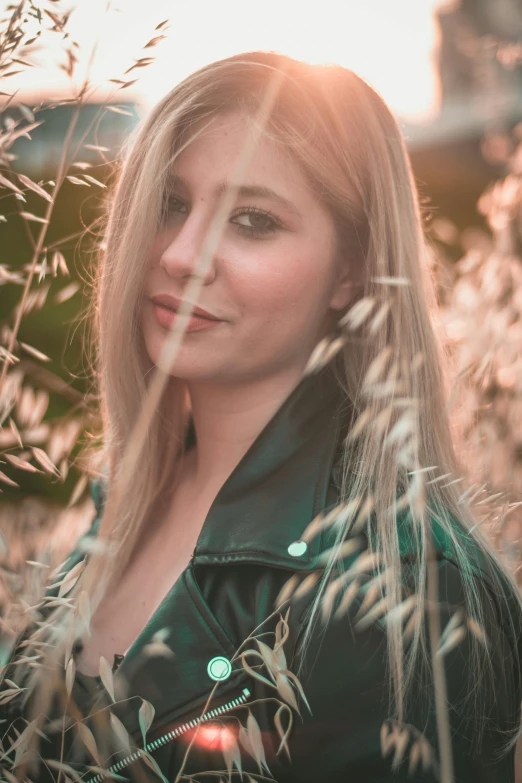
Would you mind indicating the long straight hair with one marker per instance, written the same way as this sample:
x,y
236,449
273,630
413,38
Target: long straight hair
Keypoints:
x,y
394,373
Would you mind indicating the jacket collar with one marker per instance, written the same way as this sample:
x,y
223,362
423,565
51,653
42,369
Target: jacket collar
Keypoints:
x,y
277,488
281,483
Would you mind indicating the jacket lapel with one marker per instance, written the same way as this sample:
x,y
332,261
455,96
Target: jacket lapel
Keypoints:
x,y
178,683
281,483
277,488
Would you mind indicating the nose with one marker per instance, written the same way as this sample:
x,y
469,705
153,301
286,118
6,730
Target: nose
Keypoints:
x,y
181,257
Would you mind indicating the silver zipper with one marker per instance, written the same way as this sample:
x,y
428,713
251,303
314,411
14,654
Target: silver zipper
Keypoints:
x,y
157,743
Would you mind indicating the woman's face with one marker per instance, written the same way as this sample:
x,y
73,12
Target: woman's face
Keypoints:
x,y
273,282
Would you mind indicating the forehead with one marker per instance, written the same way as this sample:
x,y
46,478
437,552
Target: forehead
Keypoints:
x,y
216,147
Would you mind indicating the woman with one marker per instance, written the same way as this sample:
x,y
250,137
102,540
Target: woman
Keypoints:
x,y
282,571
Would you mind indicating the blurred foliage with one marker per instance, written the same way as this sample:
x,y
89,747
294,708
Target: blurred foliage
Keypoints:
x,y
57,162
480,300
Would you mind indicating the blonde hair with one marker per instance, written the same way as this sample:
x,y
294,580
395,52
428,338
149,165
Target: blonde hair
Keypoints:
x,y
353,154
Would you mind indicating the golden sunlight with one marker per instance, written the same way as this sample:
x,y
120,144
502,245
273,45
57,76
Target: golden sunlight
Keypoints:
x,y
391,44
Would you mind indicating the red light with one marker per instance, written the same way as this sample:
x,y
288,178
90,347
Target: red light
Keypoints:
x,y
213,736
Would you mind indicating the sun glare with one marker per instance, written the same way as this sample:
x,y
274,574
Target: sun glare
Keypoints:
x,y
390,44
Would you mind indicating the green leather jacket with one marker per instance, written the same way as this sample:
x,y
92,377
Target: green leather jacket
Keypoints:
x,y
247,550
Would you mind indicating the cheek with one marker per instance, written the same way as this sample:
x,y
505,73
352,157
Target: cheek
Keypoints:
x,y
280,282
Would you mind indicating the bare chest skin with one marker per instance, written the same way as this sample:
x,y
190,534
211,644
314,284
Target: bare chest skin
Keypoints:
x,y
122,615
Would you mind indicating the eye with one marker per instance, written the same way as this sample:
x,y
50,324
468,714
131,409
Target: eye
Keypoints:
x,y
261,222
255,222
172,204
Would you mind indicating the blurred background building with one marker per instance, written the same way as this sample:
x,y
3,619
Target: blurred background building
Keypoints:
x,y
479,62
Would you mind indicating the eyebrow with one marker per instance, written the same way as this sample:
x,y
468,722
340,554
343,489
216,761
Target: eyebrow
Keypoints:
x,y
261,191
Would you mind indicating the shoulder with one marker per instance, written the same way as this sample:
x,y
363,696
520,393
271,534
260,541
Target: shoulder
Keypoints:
x,y
450,539
466,566
345,669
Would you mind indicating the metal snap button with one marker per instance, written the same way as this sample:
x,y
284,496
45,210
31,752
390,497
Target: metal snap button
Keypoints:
x,y
297,548
219,668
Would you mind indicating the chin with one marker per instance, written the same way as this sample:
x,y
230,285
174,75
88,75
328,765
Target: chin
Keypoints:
x,y
187,365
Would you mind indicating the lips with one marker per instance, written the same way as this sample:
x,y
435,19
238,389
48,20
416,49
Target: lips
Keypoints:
x,y
173,304
167,307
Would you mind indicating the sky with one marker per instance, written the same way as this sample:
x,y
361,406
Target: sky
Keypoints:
x,y
391,43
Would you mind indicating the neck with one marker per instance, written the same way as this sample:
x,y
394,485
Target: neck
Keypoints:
x,y
228,417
